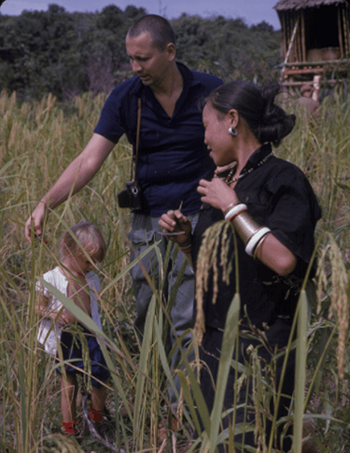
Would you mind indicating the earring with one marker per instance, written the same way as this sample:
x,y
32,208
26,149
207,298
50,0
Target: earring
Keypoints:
x,y
233,132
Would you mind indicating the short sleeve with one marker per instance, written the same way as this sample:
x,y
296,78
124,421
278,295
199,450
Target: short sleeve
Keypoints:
x,y
40,288
293,212
118,114
56,279
109,124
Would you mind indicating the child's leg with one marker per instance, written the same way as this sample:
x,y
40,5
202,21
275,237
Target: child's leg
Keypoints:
x,y
69,390
98,399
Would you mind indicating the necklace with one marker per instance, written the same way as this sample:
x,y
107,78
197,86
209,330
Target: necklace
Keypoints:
x,y
229,179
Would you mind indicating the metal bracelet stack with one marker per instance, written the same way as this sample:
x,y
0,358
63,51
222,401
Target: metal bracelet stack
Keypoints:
x,y
246,227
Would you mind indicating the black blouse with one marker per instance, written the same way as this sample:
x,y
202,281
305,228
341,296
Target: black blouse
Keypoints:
x,y
279,196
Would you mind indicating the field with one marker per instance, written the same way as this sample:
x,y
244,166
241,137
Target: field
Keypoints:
x,y
37,142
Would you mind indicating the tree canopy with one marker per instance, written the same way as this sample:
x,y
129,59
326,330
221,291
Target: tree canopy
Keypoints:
x,y
65,54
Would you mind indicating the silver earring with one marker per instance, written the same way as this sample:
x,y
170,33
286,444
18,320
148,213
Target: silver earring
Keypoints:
x,y
233,132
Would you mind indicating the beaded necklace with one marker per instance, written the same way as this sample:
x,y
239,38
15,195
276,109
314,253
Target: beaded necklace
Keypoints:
x,y
230,181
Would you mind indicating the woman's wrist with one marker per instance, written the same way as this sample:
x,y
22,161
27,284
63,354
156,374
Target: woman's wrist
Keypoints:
x,y
230,206
235,211
186,246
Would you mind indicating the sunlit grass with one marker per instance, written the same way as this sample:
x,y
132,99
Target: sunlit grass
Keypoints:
x,y
37,141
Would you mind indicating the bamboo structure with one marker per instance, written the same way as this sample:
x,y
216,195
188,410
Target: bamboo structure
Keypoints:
x,y
315,41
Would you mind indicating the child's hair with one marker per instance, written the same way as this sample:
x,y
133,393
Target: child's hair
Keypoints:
x,y
89,238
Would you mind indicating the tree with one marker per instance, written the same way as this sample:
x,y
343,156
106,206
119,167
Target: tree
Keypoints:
x,y
69,53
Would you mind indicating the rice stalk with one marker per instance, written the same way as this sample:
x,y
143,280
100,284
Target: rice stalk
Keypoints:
x,y
300,373
37,141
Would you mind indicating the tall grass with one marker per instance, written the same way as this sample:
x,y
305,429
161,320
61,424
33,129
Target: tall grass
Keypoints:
x,y
37,142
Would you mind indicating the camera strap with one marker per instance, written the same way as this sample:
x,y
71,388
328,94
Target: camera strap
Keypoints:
x,y
133,174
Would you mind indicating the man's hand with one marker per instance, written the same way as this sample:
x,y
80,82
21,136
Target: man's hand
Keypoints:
x,y
75,177
35,222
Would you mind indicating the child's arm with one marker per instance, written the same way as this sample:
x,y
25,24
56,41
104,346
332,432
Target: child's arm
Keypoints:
x,y
42,308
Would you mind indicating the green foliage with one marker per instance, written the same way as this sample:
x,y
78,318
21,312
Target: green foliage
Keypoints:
x,y
65,54
227,47
62,53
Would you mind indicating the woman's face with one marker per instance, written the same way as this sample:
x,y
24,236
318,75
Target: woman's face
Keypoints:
x,y
219,142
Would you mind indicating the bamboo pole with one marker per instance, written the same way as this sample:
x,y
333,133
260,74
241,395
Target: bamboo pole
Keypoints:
x,y
303,37
298,39
346,30
340,34
289,48
292,40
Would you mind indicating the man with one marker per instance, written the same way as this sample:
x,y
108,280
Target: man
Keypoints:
x,y
172,157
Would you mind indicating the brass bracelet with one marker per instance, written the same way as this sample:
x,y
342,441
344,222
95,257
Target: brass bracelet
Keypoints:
x,y
245,226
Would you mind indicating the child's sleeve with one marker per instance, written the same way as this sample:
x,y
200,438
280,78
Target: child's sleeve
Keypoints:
x,y
43,294
40,288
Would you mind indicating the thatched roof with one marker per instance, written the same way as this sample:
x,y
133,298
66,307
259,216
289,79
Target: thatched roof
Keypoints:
x,y
302,4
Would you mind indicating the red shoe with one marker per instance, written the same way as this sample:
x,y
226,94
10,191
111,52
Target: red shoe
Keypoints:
x,y
68,428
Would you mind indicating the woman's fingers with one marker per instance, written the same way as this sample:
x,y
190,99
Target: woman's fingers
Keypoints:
x,y
167,222
225,168
216,193
175,222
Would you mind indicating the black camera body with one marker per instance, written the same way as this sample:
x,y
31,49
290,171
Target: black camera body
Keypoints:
x,y
130,196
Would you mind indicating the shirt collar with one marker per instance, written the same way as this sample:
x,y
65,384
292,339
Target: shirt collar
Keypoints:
x,y
189,81
257,156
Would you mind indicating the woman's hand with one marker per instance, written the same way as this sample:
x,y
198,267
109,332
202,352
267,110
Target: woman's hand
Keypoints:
x,y
221,172
175,222
217,193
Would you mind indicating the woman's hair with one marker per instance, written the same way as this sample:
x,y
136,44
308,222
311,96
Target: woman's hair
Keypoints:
x,y
162,33
83,235
267,121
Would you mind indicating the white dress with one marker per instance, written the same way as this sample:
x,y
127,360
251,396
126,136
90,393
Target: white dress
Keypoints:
x,y
49,333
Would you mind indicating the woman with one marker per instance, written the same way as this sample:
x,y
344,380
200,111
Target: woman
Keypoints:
x,y
273,211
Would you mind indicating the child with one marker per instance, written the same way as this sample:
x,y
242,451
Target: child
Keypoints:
x,y
74,279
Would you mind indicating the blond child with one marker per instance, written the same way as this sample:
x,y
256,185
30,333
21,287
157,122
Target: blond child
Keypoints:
x,y
74,279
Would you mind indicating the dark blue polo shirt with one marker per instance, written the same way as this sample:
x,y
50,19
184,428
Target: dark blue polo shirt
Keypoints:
x,y
172,155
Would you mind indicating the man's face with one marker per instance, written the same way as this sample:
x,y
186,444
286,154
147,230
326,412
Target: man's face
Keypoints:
x,y
147,61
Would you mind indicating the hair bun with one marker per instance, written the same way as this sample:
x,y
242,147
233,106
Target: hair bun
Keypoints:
x,y
267,121
275,123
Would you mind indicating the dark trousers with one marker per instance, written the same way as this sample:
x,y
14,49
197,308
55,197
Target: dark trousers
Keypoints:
x,y
276,337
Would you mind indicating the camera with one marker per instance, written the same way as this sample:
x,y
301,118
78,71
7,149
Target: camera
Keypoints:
x,y
130,196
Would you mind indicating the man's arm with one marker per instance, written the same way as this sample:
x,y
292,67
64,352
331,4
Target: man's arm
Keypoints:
x,y
76,176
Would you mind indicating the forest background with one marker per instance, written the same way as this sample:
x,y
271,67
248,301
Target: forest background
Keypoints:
x,y
66,54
